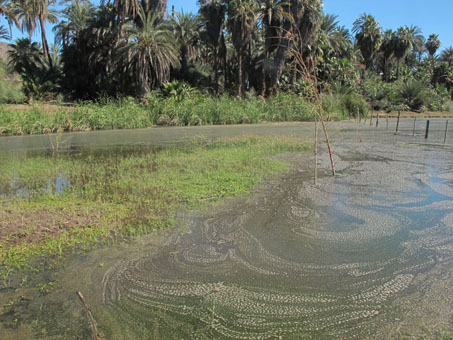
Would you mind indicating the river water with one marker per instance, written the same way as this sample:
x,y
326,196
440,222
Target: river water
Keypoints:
x,y
367,254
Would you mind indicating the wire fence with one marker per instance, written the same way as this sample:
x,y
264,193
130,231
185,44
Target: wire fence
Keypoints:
x,y
433,130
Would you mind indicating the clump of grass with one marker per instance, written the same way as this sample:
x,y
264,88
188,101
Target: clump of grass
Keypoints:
x,y
128,113
124,194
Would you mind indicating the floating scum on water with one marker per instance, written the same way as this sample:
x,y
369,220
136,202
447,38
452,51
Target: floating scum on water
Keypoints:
x,y
297,260
367,254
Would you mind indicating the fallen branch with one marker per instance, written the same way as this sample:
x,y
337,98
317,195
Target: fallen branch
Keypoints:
x,y
89,316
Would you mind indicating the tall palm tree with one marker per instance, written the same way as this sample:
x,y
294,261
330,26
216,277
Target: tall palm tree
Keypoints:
x,y
368,35
8,11
76,18
401,44
26,16
271,15
212,13
45,14
186,30
150,51
33,12
242,19
386,53
337,37
130,8
447,56
433,44
90,54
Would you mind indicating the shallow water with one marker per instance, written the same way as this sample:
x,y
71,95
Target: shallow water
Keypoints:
x,y
367,254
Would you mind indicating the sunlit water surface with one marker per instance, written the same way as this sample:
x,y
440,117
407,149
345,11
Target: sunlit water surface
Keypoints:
x,y
367,254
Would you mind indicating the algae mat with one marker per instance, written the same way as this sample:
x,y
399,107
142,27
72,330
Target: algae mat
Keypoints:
x,y
367,254
349,258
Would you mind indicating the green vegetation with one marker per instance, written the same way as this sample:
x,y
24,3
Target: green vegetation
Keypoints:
x,y
10,87
184,63
129,113
55,203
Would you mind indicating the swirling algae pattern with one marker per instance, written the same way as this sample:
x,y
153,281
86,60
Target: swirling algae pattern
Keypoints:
x,y
296,260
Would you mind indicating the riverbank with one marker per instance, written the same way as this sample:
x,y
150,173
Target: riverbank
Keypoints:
x,y
129,113
45,118
52,203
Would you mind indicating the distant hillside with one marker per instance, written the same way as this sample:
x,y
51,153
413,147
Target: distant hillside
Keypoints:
x,y
4,50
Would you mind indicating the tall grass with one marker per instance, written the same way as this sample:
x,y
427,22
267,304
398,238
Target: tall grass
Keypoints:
x,y
129,113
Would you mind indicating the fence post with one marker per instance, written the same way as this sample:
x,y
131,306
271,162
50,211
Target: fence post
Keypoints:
x,y
413,130
371,119
377,119
398,121
427,129
387,121
446,130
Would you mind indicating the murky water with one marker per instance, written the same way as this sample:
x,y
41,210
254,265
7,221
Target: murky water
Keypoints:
x,y
367,254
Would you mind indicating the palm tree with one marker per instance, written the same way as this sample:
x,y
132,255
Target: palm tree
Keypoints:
x,y
150,51
44,14
4,33
447,56
31,12
337,38
212,13
130,8
7,10
26,17
368,35
271,14
25,57
433,44
77,16
401,44
386,53
242,19
186,30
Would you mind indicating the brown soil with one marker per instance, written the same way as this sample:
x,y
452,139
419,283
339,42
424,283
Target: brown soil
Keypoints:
x,y
35,225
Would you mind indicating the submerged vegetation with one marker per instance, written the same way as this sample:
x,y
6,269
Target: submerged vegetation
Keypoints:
x,y
53,203
184,68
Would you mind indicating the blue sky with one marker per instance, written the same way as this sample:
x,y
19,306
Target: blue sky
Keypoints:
x,y
432,16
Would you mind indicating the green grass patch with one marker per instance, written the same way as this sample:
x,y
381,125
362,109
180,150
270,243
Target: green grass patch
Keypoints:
x,y
119,194
128,113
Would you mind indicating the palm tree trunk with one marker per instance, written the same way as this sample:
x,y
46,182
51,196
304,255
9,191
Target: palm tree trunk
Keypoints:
x,y
263,82
216,71
45,45
239,85
184,62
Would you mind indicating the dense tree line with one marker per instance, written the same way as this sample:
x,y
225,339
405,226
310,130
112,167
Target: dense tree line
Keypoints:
x,y
241,47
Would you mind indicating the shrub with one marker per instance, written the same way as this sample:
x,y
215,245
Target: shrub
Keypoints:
x,y
10,87
413,94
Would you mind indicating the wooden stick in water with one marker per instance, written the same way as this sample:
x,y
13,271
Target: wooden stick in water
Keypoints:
x,y
89,316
